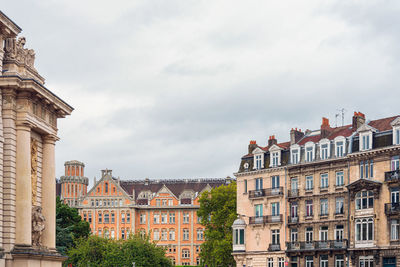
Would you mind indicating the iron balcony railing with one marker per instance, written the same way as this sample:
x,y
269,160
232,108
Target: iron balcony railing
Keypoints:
x,y
293,192
274,247
293,219
266,192
317,245
392,208
265,219
392,176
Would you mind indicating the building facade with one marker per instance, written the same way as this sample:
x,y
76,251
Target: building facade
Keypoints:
x,y
28,132
163,209
340,192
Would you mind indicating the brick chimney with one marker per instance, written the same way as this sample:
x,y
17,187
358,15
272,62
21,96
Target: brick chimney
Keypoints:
x,y
295,136
252,146
325,128
272,141
358,120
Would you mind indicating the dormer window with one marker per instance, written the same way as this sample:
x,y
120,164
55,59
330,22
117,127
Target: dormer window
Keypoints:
x,y
310,152
295,154
324,149
396,135
366,141
340,148
275,159
258,161
365,137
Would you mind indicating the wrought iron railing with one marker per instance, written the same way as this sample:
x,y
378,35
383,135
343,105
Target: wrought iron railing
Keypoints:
x,y
392,176
392,208
265,219
266,192
317,245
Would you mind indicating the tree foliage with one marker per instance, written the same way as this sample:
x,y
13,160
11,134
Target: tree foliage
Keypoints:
x,y
102,252
218,212
69,226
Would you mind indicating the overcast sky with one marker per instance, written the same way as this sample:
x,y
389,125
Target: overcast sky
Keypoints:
x,y
176,89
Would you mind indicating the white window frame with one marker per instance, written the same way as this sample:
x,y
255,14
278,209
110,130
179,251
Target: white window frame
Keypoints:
x,y
307,147
394,229
294,235
323,233
324,180
339,205
308,183
365,141
339,232
324,206
185,235
339,178
343,151
339,262
156,234
275,236
171,234
172,217
258,159
323,155
295,157
275,157
359,229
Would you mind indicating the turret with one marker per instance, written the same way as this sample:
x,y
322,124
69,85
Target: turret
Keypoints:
x,y
73,184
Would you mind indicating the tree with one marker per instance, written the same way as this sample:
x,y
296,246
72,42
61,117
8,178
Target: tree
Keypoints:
x,y
69,226
218,212
102,252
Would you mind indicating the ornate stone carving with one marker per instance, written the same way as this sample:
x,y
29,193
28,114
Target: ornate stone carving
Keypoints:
x,y
34,154
38,226
14,50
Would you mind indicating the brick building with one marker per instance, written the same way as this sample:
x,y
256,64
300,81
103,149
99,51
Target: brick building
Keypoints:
x,y
164,209
340,192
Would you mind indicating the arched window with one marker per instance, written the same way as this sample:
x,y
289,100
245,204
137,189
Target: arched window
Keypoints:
x,y
106,217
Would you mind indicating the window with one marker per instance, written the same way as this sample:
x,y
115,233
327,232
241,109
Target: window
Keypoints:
x,y
309,208
309,183
323,233
364,200
324,206
122,217
172,218
309,261
199,234
309,153
366,261
394,230
367,169
295,156
394,195
106,187
364,229
239,237
366,142
170,202
245,186
99,232
258,161
396,136
324,151
185,234
157,202
293,210
84,216
106,218
275,159
339,178
270,262
156,218
164,202
275,209
164,218
259,210
275,237
112,233
90,217
164,234
197,261
339,207
259,183
128,217
171,234
275,182
339,149
324,180
294,183
281,262
156,234
323,261
142,218
122,233
293,235
100,218
339,231
186,217
185,253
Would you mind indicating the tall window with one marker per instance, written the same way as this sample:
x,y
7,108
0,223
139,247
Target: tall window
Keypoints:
x,y
170,202
128,217
323,261
90,217
164,217
172,234
106,217
156,234
295,156
293,209
324,206
364,200
122,233
156,218
172,218
186,217
275,209
366,142
293,235
394,195
339,207
309,261
100,218
394,229
106,187
367,169
309,183
339,178
395,163
275,159
258,159
309,208
324,180
339,231
275,181
294,183
185,234
142,218
157,202
245,186
185,253
309,154
309,234
324,151
397,136
164,202
259,183
270,262
339,261
200,234
323,233
259,210
365,229
164,234
122,217
366,261
112,217
339,149
281,262
275,236
238,239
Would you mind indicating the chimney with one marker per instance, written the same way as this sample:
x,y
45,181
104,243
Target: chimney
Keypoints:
x,y
358,120
252,146
272,140
325,128
146,181
295,136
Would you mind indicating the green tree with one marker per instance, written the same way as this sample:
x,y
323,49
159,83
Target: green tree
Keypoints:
x,y
102,252
218,212
69,226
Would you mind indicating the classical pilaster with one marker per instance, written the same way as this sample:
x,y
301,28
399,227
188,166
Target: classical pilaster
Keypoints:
x,y
23,235
48,191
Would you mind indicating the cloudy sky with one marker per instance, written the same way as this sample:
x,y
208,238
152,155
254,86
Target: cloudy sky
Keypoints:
x,y
176,89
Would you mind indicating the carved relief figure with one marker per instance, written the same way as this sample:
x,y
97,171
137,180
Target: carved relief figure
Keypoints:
x,y
34,154
38,226
14,50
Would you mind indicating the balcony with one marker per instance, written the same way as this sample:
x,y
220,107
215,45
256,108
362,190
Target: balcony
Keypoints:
x,y
317,245
392,208
274,247
268,192
293,192
392,176
293,219
266,219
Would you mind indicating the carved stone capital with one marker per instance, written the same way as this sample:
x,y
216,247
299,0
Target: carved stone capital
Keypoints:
x,y
50,139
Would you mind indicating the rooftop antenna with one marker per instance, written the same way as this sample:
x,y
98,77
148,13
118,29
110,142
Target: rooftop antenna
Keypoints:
x,y
336,116
342,111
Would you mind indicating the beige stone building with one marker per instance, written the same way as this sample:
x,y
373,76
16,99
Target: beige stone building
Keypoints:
x,y
340,193
28,132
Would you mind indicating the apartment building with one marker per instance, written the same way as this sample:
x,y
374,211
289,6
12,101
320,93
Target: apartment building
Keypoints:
x,y
340,192
166,210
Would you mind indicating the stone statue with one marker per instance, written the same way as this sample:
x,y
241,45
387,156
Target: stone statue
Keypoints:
x,y
14,50
38,226
34,160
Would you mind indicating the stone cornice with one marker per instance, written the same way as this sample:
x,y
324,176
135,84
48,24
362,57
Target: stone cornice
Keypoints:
x,y
6,21
373,152
268,170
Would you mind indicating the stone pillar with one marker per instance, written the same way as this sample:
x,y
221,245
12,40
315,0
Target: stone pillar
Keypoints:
x,y
48,192
23,235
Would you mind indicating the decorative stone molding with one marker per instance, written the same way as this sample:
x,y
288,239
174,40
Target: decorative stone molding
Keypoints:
x,y
14,50
34,166
38,225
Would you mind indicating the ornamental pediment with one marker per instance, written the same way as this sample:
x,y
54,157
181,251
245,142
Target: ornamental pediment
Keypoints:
x,y
258,151
395,122
275,148
364,184
366,128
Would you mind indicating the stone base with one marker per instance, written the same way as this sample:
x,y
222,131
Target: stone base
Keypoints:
x,y
26,256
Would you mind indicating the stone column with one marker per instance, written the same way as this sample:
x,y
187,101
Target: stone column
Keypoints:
x,y
48,191
23,235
